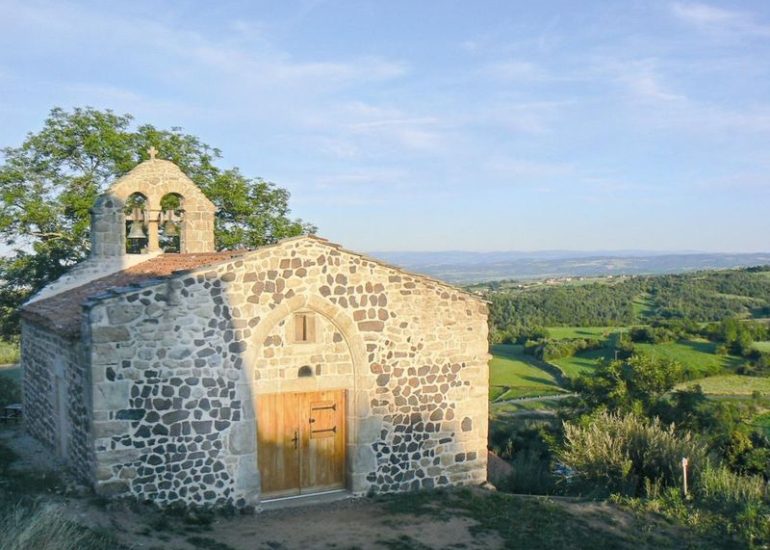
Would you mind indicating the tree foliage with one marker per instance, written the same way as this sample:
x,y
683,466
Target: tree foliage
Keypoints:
x,y
589,305
633,385
676,303
49,183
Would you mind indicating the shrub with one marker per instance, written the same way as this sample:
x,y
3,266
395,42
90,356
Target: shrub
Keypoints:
x,y
531,475
527,447
741,500
9,352
548,350
10,391
724,491
625,454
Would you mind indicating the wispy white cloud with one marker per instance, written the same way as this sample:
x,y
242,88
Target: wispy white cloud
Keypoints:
x,y
741,181
163,45
356,128
383,178
642,79
524,117
719,19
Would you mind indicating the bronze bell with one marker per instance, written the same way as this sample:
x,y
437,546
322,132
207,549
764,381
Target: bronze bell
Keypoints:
x,y
136,231
137,225
169,227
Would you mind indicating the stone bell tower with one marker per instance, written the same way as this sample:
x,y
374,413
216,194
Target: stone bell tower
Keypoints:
x,y
151,182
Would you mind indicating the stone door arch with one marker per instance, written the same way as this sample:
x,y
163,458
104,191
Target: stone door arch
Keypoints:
x,y
271,335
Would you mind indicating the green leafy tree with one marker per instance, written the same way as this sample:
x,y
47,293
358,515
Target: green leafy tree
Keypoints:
x,y
633,385
50,182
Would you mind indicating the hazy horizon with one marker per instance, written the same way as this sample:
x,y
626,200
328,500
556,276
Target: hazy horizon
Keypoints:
x,y
634,251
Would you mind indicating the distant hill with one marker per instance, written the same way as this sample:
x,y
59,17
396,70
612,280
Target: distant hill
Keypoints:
x,y
472,267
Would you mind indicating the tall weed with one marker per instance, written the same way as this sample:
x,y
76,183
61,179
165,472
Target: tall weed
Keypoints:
x,y
628,455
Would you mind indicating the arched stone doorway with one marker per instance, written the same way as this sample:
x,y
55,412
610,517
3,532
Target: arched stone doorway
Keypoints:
x,y
306,365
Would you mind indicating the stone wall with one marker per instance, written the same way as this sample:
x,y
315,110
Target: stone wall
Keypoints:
x,y
49,360
177,366
279,359
108,228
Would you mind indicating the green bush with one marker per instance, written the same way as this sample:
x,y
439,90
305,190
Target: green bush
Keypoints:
x,y
626,454
10,391
722,490
527,447
9,352
531,475
741,501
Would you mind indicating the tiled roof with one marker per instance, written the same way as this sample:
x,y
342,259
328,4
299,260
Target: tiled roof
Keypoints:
x,y
62,312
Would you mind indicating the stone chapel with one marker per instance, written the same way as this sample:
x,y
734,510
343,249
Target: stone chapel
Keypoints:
x,y
238,377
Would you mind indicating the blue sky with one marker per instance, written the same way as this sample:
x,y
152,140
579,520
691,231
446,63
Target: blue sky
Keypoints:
x,y
439,125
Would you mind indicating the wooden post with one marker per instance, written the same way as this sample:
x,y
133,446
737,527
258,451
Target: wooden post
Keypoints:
x,y
684,475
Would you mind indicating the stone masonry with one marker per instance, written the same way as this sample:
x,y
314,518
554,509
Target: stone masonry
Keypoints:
x,y
178,364
164,372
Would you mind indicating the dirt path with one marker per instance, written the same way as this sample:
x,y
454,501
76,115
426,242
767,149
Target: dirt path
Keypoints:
x,y
354,523
345,524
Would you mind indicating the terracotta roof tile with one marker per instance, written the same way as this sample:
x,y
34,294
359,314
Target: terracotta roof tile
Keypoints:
x,y
62,312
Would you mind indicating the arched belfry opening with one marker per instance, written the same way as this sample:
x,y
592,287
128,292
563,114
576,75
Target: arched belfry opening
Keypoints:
x,y
170,226
154,208
137,236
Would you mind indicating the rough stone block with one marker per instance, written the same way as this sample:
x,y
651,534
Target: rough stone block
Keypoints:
x,y
111,396
122,313
242,438
103,335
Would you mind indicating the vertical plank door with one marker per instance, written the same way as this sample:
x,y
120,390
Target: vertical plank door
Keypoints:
x,y
322,462
278,439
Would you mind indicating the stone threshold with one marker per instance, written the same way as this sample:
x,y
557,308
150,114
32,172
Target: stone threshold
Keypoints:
x,y
310,499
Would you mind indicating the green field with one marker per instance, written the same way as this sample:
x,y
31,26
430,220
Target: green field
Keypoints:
x,y
764,347
582,332
642,306
582,363
697,355
514,374
732,384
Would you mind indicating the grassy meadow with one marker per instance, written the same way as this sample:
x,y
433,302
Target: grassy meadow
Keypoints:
x,y
560,333
582,363
732,385
697,355
764,347
514,374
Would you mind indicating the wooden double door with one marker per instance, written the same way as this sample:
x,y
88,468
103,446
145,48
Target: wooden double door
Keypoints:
x,y
301,442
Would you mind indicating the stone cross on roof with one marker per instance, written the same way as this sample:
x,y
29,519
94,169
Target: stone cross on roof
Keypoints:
x,y
152,151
